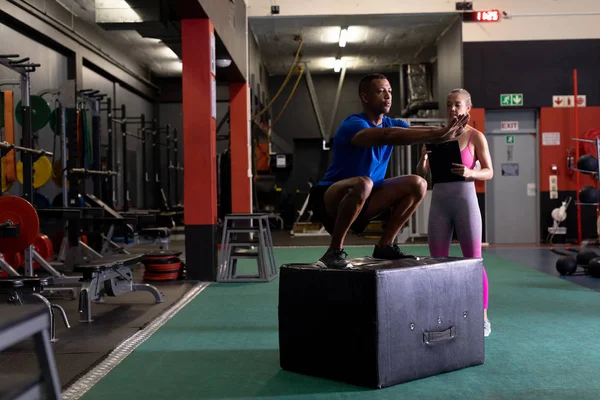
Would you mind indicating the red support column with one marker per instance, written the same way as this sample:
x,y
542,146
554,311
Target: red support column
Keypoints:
x,y
241,167
199,150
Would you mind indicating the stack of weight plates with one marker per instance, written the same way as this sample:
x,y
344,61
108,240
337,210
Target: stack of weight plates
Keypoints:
x,y
162,265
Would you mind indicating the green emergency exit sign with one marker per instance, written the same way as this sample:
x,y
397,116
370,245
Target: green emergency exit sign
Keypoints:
x,y
511,99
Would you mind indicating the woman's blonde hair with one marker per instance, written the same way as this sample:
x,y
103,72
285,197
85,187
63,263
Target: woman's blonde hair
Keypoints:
x,y
464,93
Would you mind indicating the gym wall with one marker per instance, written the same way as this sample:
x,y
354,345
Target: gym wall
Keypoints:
x,y
537,69
562,120
258,76
299,120
540,70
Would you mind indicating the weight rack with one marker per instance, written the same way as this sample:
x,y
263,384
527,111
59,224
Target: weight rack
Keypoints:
x,y
94,98
141,135
174,168
23,67
156,166
578,203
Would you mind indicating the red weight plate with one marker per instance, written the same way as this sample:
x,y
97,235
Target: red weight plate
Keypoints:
x,y
20,212
44,246
148,276
171,267
14,260
590,148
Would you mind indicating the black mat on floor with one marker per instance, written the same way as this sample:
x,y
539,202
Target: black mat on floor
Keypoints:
x,y
84,345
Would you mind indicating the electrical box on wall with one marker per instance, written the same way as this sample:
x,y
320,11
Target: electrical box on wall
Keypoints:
x,y
464,6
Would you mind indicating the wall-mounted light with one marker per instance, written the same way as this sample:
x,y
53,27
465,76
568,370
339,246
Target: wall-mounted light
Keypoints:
x,y
223,62
343,36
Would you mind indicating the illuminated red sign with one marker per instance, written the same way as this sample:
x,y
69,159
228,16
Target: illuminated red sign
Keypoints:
x,y
482,16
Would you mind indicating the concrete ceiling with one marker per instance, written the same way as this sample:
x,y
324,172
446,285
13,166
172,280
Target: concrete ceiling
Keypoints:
x,y
161,56
374,42
152,53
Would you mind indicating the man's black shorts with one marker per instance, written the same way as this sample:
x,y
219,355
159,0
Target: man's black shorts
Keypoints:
x,y
317,205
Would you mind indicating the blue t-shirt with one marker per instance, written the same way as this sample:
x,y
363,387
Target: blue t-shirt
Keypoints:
x,y
350,160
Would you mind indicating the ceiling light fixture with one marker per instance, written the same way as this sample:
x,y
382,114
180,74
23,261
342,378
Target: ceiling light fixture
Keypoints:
x,y
343,36
337,65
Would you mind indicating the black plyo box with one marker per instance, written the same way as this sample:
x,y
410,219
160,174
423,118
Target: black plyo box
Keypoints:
x,y
381,323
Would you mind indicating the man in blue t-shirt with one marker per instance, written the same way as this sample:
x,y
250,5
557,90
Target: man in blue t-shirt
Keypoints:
x,y
354,189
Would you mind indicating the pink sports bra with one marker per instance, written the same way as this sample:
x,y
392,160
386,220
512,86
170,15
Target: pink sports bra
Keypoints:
x,y
467,156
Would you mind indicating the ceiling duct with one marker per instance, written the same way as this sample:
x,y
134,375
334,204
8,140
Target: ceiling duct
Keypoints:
x,y
150,18
419,94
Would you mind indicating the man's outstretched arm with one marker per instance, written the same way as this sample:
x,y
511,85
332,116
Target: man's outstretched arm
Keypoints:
x,y
412,135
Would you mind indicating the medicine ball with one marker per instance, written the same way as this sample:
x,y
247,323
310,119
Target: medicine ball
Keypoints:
x,y
587,162
586,255
589,195
594,267
566,265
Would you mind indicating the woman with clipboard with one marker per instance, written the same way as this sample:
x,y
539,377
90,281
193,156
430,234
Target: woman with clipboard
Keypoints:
x,y
450,167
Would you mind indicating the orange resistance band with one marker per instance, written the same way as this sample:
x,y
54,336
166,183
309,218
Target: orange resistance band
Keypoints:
x,y
9,168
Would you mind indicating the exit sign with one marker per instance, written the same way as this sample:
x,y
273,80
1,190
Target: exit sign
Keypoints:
x,y
511,99
509,125
482,16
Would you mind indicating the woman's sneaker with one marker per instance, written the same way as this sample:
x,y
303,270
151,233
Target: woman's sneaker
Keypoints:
x,y
487,327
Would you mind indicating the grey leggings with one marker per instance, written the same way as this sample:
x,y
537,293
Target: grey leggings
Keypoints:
x,y
454,206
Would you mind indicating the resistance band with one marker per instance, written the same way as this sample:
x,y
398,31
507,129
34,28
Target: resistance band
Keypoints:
x,y
9,168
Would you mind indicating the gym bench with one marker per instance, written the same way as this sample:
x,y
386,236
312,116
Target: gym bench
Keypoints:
x,y
18,290
110,276
18,324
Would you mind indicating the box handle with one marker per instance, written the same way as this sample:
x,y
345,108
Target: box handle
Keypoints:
x,y
435,337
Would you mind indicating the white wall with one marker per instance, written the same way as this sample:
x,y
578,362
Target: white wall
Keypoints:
x,y
561,26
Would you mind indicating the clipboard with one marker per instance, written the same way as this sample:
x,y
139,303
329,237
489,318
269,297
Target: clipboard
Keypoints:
x,y
440,161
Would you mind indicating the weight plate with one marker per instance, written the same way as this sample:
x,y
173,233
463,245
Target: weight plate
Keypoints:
x,y
14,260
42,172
41,201
40,112
43,245
162,254
590,148
20,212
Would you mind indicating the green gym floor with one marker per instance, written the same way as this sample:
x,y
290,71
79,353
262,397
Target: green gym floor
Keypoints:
x,y
223,343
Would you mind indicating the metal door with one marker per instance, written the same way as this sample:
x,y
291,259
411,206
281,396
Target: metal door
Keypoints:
x,y
512,195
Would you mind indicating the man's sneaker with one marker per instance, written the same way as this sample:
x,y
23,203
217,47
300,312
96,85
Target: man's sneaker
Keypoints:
x,y
487,327
390,252
334,259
